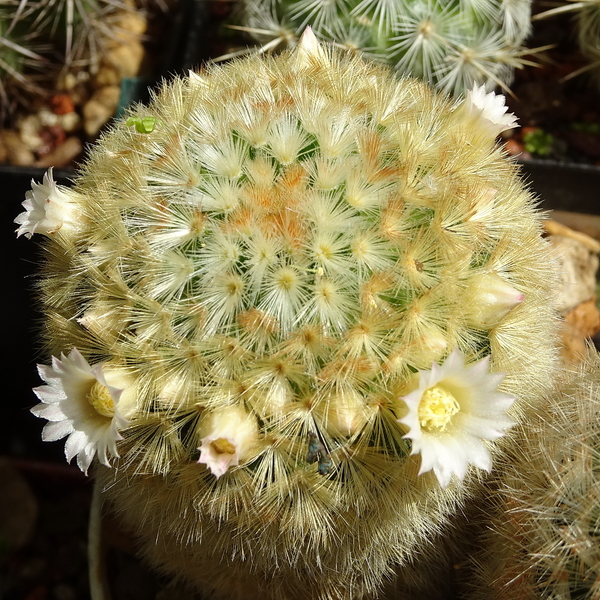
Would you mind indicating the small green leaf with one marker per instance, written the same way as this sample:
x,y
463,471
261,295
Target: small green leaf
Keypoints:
x,y
143,125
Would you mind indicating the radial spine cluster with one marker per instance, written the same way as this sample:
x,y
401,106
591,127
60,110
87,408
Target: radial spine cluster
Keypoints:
x,y
258,280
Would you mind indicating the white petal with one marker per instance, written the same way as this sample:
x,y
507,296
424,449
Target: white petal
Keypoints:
x,y
85,457
66,406
75,444
51,412
56,431
49,395
482,417
479,455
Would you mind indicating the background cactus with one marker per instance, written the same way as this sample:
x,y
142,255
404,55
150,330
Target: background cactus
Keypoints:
x,y
452,45
44,43
20,58
252,288
587,17
542,536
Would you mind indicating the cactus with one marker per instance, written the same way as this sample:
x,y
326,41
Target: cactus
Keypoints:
x,y
587,18
543,527
75,29
20,58
293,315
452,45
38,39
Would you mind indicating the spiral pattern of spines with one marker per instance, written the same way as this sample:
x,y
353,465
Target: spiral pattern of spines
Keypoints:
x,y
295,238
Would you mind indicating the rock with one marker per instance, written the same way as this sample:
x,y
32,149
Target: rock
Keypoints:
x,y
107,75
578,264
585,318
130,24
3,150
582,223
61,104
577,254
100,108
579,325
17,152
125,52
63,154
126,59
571,230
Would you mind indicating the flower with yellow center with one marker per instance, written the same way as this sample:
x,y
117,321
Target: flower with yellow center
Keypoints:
x,y
228,437
78,402
452,413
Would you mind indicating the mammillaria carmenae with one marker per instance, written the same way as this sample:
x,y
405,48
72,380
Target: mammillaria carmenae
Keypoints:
x,y
297,245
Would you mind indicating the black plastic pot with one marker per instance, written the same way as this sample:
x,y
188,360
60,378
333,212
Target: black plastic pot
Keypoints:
x,y
564,186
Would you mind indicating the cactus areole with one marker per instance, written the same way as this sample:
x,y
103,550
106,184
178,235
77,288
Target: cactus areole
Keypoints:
x,y
296,318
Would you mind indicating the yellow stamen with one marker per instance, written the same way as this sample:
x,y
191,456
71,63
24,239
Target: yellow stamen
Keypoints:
x,y
223,446
99,397
436,409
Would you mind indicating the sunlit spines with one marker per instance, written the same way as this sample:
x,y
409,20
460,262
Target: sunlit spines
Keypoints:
x,y
299,263
539,530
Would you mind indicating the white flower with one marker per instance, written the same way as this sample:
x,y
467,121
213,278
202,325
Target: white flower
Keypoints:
x,y
452,413
80,403
230,433
47,208
489,110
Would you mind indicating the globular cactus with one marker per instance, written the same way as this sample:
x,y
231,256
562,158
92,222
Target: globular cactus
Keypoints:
x,y
588,26
78,30
451,45
543,530
296,303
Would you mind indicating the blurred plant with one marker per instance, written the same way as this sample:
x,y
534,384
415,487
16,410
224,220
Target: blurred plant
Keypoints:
x,y
542,535
20,58
537,141
298,313
588,31
452,45
69,35
79,25
586,127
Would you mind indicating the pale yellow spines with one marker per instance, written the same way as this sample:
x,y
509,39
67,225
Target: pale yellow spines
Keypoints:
x,y
295,238
540,526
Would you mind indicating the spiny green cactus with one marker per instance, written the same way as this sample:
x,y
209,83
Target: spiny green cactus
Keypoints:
x,y
452,45
76,28
295,314
543,533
